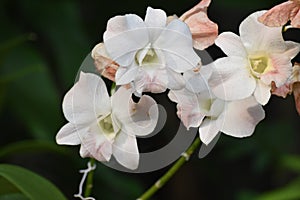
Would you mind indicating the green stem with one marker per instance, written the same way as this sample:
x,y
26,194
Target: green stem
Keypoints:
x,y
89,180
170,173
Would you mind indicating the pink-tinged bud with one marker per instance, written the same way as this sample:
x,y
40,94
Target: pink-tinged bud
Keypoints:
x,y
104,65
204,31
282,13
291,86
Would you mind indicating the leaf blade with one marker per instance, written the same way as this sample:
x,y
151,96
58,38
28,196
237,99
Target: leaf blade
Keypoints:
x,y
30,184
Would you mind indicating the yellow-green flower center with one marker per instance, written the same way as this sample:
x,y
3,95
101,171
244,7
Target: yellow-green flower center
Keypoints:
x,y
106,124
146,56
259,64
150,56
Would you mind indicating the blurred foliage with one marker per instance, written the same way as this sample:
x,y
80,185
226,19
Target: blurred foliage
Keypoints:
x,y
42,45
17,180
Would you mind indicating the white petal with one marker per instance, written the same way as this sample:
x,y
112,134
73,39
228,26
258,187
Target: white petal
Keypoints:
x,y
124,36
155,17
231,79
197,82
241,117
231,44
121,103
86,100
143,117
175,80
155,20
125,75
125,150
262,93
258,37
177,45
84,153
209,129
216,108
70,134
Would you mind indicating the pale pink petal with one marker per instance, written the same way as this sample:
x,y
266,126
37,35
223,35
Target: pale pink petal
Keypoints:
x,y
281,91
142,117
231,44
86,100
287,88
279,72
201,6
96,144
262,93
104,65
125,150
175,42
209,129
258,37
204,31
187,107
70,134
241,117
124,36
109,71
278,15
295,19
152,80
231,79
296,92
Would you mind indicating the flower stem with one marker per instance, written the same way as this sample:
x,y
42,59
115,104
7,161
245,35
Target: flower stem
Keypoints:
x,y
89,180
170,173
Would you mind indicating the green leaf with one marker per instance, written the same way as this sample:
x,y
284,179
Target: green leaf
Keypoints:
x,y
33,95
14,196
7,187
30,184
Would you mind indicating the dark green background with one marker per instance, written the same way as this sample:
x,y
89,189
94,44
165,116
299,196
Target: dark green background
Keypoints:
x,y
42,45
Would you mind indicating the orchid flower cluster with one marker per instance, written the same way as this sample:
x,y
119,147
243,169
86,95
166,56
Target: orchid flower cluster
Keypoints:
x,y
158,54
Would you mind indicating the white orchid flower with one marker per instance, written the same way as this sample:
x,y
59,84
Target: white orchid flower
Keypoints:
x,y
151,53
103,125
257,58
198,107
